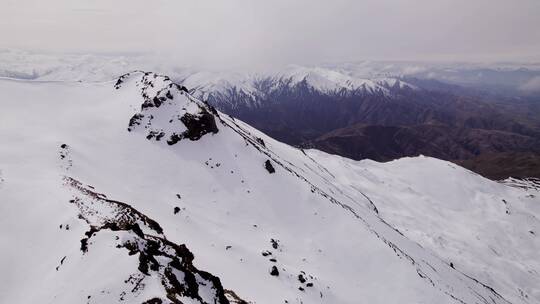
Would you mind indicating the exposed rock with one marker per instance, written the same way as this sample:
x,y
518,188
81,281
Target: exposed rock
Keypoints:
x,y
135,120
275,243
184,89
274,271
153,301
233,297
174,139
269,167
159,259
260,141
158,92
198,125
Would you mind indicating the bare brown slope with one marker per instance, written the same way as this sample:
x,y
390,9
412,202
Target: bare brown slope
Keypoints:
x,y
494,154
502,165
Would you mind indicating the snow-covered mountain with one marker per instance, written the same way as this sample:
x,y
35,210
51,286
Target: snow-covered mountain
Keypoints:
x,y
25,64
235,89
225,89
135,191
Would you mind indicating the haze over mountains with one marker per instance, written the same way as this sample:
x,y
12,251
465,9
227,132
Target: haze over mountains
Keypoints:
x,y
485,117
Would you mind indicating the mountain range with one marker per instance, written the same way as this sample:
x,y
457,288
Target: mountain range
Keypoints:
x,y
481,116
383,118
137,191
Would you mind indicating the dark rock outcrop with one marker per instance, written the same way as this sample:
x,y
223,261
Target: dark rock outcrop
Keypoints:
x,y
268,166
198,125
169,263
158,93
274,271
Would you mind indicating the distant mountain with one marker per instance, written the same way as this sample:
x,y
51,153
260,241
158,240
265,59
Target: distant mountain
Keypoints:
x,y
492,153
380,118
135,191
234,90
503,164
384,143
306,106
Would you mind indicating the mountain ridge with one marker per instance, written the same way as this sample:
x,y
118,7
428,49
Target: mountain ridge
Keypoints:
x,y
304,113
213,192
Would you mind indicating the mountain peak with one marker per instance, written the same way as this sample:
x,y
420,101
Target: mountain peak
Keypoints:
x,y
168,111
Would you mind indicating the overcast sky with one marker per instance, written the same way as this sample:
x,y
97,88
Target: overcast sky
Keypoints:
x,y
251,32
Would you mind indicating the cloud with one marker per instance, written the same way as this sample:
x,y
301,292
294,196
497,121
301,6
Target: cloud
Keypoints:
x,y
252,32
531,86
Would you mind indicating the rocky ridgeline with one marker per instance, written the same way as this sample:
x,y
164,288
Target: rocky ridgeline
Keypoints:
x,y
168,111
160,260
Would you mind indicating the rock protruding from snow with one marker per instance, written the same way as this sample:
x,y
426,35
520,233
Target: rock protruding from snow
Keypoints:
x,y
160,260
168,111
269,167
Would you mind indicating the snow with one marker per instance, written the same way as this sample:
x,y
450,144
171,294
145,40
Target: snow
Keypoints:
x,y
482,227
321,79
326,80
321,209
205,83
395,82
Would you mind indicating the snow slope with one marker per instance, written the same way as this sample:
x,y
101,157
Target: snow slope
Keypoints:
x,y
135,191
484,228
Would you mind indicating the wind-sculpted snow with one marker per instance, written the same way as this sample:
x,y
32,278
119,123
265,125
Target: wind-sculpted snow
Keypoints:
x,y
274,223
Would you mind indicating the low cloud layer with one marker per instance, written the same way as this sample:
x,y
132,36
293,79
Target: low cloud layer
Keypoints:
x,y
249,32
532,86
